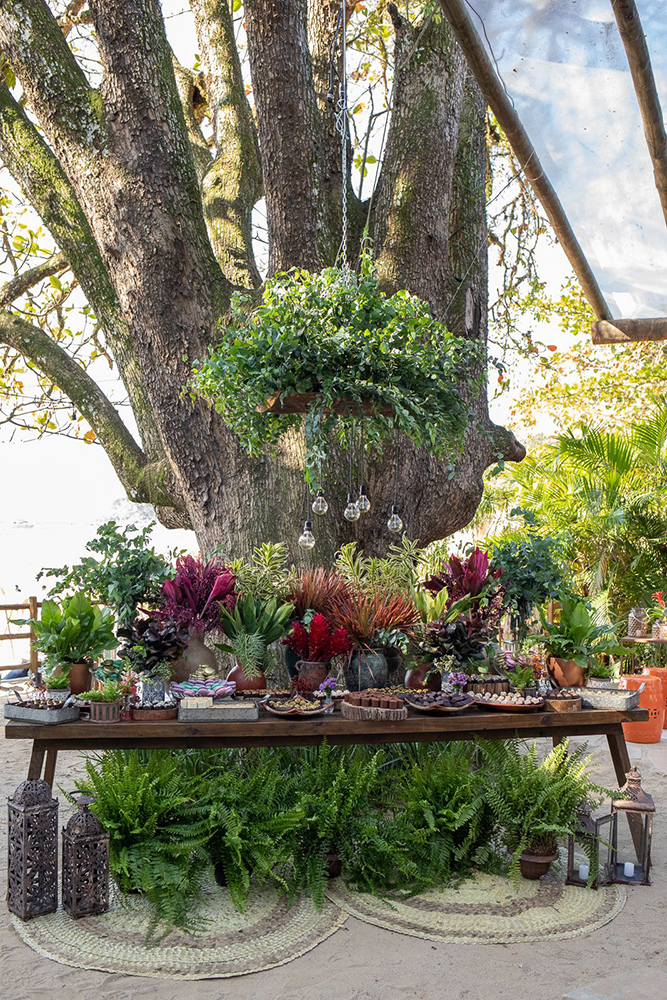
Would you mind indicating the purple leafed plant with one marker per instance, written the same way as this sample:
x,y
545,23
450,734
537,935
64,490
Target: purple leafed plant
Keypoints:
x,y
194,596
463,577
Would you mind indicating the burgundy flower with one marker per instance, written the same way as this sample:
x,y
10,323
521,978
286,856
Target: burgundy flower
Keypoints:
x,y
194,596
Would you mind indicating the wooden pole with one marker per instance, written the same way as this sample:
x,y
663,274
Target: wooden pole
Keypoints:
x,y
498,101
34,655
639,61
627,331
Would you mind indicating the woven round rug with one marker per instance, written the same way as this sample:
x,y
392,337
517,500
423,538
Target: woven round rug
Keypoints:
x,y
489,909
231,944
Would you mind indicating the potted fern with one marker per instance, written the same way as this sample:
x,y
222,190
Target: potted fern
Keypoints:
x,y
535,802
250,628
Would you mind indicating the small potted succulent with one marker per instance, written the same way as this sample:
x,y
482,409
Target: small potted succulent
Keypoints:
x,y
57,686
575,641
250,628
194,600
72,636
315,645
105,702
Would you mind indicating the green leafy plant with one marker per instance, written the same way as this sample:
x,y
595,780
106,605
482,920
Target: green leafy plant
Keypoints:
x,y
535,802
109,692
532,571
251,627
576,636
77,632
340,337
57,682
124,572
265,574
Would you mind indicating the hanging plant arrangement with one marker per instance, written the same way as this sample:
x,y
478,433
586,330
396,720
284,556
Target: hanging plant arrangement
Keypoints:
x,y
334,347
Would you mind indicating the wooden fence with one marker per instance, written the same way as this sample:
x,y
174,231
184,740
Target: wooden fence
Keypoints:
x,y
31,606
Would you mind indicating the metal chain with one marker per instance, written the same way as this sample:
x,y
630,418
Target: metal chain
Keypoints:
x,y
341,126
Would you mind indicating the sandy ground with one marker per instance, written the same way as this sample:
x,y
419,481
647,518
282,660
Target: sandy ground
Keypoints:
x,y
361,962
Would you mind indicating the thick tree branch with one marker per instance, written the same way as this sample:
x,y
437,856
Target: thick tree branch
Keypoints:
x,y
233,184
143,483
289,134
43,181
22,283
56,87
411,213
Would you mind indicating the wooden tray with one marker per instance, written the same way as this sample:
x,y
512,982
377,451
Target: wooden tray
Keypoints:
x,y
439,709
154,714
501,707
296,712
564,704
300,401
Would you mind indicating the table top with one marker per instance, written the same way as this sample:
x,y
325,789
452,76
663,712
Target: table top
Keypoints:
x,y
272,731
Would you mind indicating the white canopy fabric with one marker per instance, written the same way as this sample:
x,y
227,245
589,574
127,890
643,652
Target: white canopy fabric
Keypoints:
x,y
565,70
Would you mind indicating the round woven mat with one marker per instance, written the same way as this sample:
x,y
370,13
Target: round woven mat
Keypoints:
x,y
232,944
489,909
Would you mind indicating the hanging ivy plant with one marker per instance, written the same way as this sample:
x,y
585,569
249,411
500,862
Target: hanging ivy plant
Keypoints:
x,y
337,335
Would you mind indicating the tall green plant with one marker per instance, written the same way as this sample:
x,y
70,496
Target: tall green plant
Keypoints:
x,y
74,633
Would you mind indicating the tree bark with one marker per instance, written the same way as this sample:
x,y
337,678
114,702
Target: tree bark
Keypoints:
x,y
127,190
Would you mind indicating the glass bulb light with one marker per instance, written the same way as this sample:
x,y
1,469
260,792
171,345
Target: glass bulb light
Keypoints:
x,y
320,506
307,538
351,512
363,503
394,523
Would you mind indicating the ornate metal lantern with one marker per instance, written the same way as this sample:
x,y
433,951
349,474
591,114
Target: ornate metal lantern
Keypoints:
x,y
32,871
85,861
639,808
587,837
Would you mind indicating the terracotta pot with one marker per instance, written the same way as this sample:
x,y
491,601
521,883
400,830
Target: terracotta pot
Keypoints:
x,y
366,668
661,674
80,678
566,673
416,679
651,698
310,674
244,683
334,864
105,711
535,865
195,655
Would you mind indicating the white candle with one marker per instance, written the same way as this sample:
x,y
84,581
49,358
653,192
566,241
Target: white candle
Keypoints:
x,y
584,872
628,869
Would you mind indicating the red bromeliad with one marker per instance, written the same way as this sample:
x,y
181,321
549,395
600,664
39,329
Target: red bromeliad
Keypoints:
x,y
463,577
318,643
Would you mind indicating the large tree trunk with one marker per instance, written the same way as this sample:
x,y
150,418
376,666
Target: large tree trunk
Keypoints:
x,y
168,227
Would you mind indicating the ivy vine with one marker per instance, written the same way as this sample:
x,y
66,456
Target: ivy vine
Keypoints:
x,y
338,335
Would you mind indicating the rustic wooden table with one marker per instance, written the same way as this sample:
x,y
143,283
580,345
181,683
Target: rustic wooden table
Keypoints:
x,y
270,731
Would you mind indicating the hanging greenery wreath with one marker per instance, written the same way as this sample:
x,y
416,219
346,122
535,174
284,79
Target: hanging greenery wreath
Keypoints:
x,y
337,336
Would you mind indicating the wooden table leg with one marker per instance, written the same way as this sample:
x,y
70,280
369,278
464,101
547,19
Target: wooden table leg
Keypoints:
x,y
50,768
618,749
36,763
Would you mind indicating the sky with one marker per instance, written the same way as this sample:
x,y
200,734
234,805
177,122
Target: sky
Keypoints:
x,y
57,491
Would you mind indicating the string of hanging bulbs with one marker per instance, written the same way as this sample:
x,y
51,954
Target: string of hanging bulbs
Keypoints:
x,y
358,502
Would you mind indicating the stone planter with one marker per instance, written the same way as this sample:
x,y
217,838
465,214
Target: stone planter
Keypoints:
x,y
534,866
58,694
566,673
366,668
152,691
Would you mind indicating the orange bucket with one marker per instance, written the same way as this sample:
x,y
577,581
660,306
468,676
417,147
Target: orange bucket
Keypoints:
x,y
652,698
661,673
